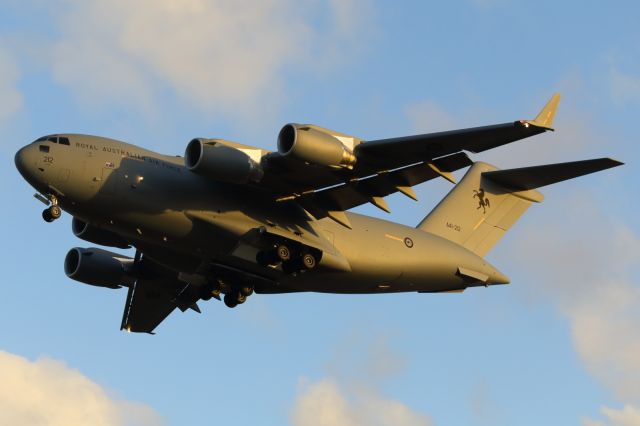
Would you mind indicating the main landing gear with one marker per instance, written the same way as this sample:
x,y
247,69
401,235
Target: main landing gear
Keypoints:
x,y
293,261
234,295
237,296
54,211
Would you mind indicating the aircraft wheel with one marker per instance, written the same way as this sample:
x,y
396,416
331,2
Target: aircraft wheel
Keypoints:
x,y
246,291
241,298
46,215
231,300
206,292
283,253
55,211
309,261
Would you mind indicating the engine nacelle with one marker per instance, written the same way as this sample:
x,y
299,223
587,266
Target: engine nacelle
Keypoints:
x,y
95,235
314,146
98,267
222,162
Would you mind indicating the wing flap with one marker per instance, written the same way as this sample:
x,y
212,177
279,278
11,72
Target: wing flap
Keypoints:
x,y
372,189
154,296
148,304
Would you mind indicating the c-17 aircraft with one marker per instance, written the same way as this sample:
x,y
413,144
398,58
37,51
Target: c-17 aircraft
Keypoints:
x,y
231,219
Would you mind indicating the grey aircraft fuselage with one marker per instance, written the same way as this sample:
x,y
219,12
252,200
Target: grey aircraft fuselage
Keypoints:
x,y
181,219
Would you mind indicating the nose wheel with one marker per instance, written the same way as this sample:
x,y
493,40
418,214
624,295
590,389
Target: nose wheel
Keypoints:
x,y
53,212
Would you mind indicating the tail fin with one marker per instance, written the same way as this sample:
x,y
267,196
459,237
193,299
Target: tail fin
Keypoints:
x,y
487,202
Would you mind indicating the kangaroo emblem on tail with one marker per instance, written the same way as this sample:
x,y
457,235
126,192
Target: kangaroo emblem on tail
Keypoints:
x,y
483,201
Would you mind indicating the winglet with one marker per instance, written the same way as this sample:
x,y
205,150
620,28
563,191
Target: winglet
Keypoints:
x,y
545,117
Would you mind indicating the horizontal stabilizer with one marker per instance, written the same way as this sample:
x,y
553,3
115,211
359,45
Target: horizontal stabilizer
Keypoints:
x,y
534,177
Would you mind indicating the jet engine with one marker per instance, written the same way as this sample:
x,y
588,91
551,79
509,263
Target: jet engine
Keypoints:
x,y
221,161
98,267
314,145
95,235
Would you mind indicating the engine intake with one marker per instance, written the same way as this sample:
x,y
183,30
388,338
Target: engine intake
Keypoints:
x,y
314,146
87,232
222,162
98,267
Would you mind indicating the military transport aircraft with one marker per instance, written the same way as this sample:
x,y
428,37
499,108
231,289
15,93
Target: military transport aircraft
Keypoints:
x,y
231,219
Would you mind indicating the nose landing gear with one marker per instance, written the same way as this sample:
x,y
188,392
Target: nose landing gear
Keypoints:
x,y
54,211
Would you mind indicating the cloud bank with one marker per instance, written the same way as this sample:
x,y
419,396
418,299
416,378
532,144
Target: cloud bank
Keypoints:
x,y
215,55
627,416
325,403
356,398
590,275
48,392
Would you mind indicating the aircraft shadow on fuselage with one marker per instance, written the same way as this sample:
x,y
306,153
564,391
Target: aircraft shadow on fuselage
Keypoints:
x,y
151,189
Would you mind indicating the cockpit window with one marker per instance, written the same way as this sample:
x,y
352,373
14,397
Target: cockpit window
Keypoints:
x,y
44,148
55,139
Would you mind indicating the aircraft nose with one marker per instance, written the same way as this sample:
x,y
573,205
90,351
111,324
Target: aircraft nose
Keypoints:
x,y
26,160
21,161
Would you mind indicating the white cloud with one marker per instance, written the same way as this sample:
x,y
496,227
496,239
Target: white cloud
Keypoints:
x,y
324,403
587,265
48,392
10,97
356,399
628,416
216,55
606,331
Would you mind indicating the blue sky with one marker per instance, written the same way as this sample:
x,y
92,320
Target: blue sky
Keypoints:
x,y
560,345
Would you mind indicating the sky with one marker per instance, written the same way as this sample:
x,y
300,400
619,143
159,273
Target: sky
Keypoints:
x,y
559,345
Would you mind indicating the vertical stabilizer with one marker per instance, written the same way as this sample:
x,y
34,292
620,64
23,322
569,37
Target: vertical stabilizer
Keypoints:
x,y
477,212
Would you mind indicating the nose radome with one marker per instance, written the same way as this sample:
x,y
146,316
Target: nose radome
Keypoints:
x,y
22,161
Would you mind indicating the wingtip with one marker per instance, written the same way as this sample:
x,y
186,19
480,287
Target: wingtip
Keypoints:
x,y
546,116
615,163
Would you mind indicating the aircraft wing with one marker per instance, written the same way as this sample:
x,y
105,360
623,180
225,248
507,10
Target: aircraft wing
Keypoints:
x,y
397,152
157,292
376,171
153,297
